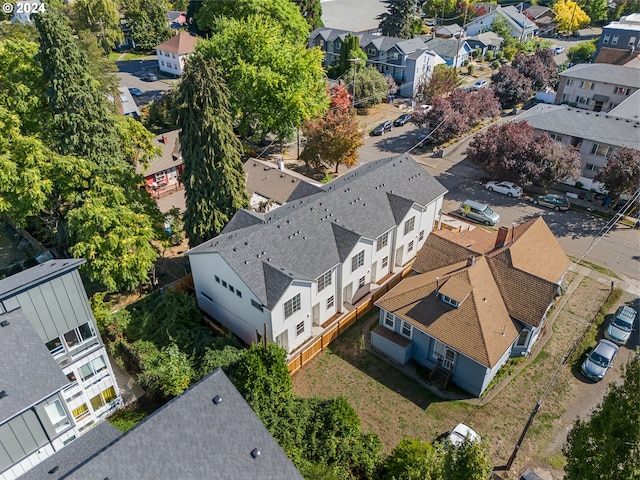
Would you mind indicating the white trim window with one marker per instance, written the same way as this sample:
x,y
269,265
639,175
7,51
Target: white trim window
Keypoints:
x,y
382,241
407,329
361,282
409,225
300,329
57,415
410,246
438,349
80,336
324,280
385,262
292,305
357,261
389,320
92,368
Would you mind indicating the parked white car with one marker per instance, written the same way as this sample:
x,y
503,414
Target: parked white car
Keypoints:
x,y
506,188
482,83
457,436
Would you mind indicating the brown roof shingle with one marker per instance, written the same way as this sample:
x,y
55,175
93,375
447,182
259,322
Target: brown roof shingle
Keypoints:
x,y
181,43
616,56
282,186
479,328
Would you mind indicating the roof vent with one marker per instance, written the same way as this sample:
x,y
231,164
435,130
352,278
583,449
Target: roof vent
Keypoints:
x,y
54,470
246,262
3,393
255,453
4,323
246,243
217,399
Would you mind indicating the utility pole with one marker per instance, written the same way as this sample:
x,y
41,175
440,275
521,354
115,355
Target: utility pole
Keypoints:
x,y
464,22
572,15
354,61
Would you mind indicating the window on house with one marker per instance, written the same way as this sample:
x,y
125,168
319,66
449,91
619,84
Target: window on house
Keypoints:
x,y
389,320
421,236
591,167
565,97
587,85
632,41
614,40
393,55
385,262
409,225
570,81
601,150
606,38
372,51
256,304
582,100
382,241
330,302
556,137
292,305
92,368
57,415
407,329
78,336
80,412
621,91
438,349
217,279
338,46
449,300
233,290
361,282
357,261
299,329
324,281
410,246
71,376
55,346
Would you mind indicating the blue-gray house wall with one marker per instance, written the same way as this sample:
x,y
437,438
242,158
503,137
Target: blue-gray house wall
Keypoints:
x,y
468,374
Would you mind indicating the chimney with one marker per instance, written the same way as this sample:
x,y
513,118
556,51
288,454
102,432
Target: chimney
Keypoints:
x,y
164,139
513,232
501,239
471,261
437,284
281,164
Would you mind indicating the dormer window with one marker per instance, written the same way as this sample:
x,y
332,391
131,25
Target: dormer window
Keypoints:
x,y
449,300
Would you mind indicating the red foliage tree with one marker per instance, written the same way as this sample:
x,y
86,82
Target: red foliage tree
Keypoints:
x,y
340,98
539,68
621,174
515,152
511,86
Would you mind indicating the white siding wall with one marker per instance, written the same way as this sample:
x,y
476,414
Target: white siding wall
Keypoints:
x,y
171,63
379,255
288,326
322,297
349,277
234,312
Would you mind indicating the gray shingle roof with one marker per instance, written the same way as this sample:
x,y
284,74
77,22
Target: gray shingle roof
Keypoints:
x,y
579,123
629,109
193,438
299,239
14,284
74,454
446,47
355,15
170,154
605,73
280,185
243,219
28,372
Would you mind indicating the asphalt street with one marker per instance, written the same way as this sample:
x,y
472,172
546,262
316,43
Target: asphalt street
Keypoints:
x,y
579,233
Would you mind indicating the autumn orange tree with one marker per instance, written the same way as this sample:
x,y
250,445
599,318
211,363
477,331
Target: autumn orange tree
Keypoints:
x,y
569,16
334,139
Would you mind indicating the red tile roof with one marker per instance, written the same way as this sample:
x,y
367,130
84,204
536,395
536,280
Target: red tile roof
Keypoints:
x,y
181,44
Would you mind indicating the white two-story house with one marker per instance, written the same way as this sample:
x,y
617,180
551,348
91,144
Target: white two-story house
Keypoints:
x,y
62,383
173,53
288,272
597,86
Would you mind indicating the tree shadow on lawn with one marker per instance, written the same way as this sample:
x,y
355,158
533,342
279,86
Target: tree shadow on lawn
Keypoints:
x,y
350,348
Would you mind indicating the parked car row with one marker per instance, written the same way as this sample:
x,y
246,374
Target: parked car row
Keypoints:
x,y
618,332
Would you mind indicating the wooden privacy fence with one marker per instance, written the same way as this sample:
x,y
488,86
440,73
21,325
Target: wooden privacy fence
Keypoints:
x,y
318,344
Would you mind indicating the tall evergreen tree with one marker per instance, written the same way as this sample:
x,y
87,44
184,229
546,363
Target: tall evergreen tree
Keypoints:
x,y
213,174
311,11
350,51
147,22
399,20
81,122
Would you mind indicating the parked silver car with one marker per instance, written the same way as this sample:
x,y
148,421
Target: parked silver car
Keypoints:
x,y
619,330
479,212
600,360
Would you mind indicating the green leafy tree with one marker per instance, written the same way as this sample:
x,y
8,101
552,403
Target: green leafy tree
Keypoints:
x,y
583,52
169,370
621,174
81,121
213,172
351,56
99,66
311,10
99,17
439,8
370,88
606,445
468,460
275,84
442,82
412,459
596,10
114,235
283,12
147,22
398,21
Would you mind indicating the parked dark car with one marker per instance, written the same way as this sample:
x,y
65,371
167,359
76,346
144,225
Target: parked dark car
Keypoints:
x,y
136,92
382,128
402,119
557,202
149,77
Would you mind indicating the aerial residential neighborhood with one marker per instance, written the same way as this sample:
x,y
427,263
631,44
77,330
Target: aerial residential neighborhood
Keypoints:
x,y
319,239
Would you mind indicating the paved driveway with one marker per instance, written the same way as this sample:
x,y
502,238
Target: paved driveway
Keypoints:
x,y
130,73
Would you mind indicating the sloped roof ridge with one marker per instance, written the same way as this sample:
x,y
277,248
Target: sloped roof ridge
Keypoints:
x,y
277,280
399,206
345,240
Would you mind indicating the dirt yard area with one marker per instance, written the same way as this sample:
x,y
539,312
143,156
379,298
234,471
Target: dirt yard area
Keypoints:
x,y
392,405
